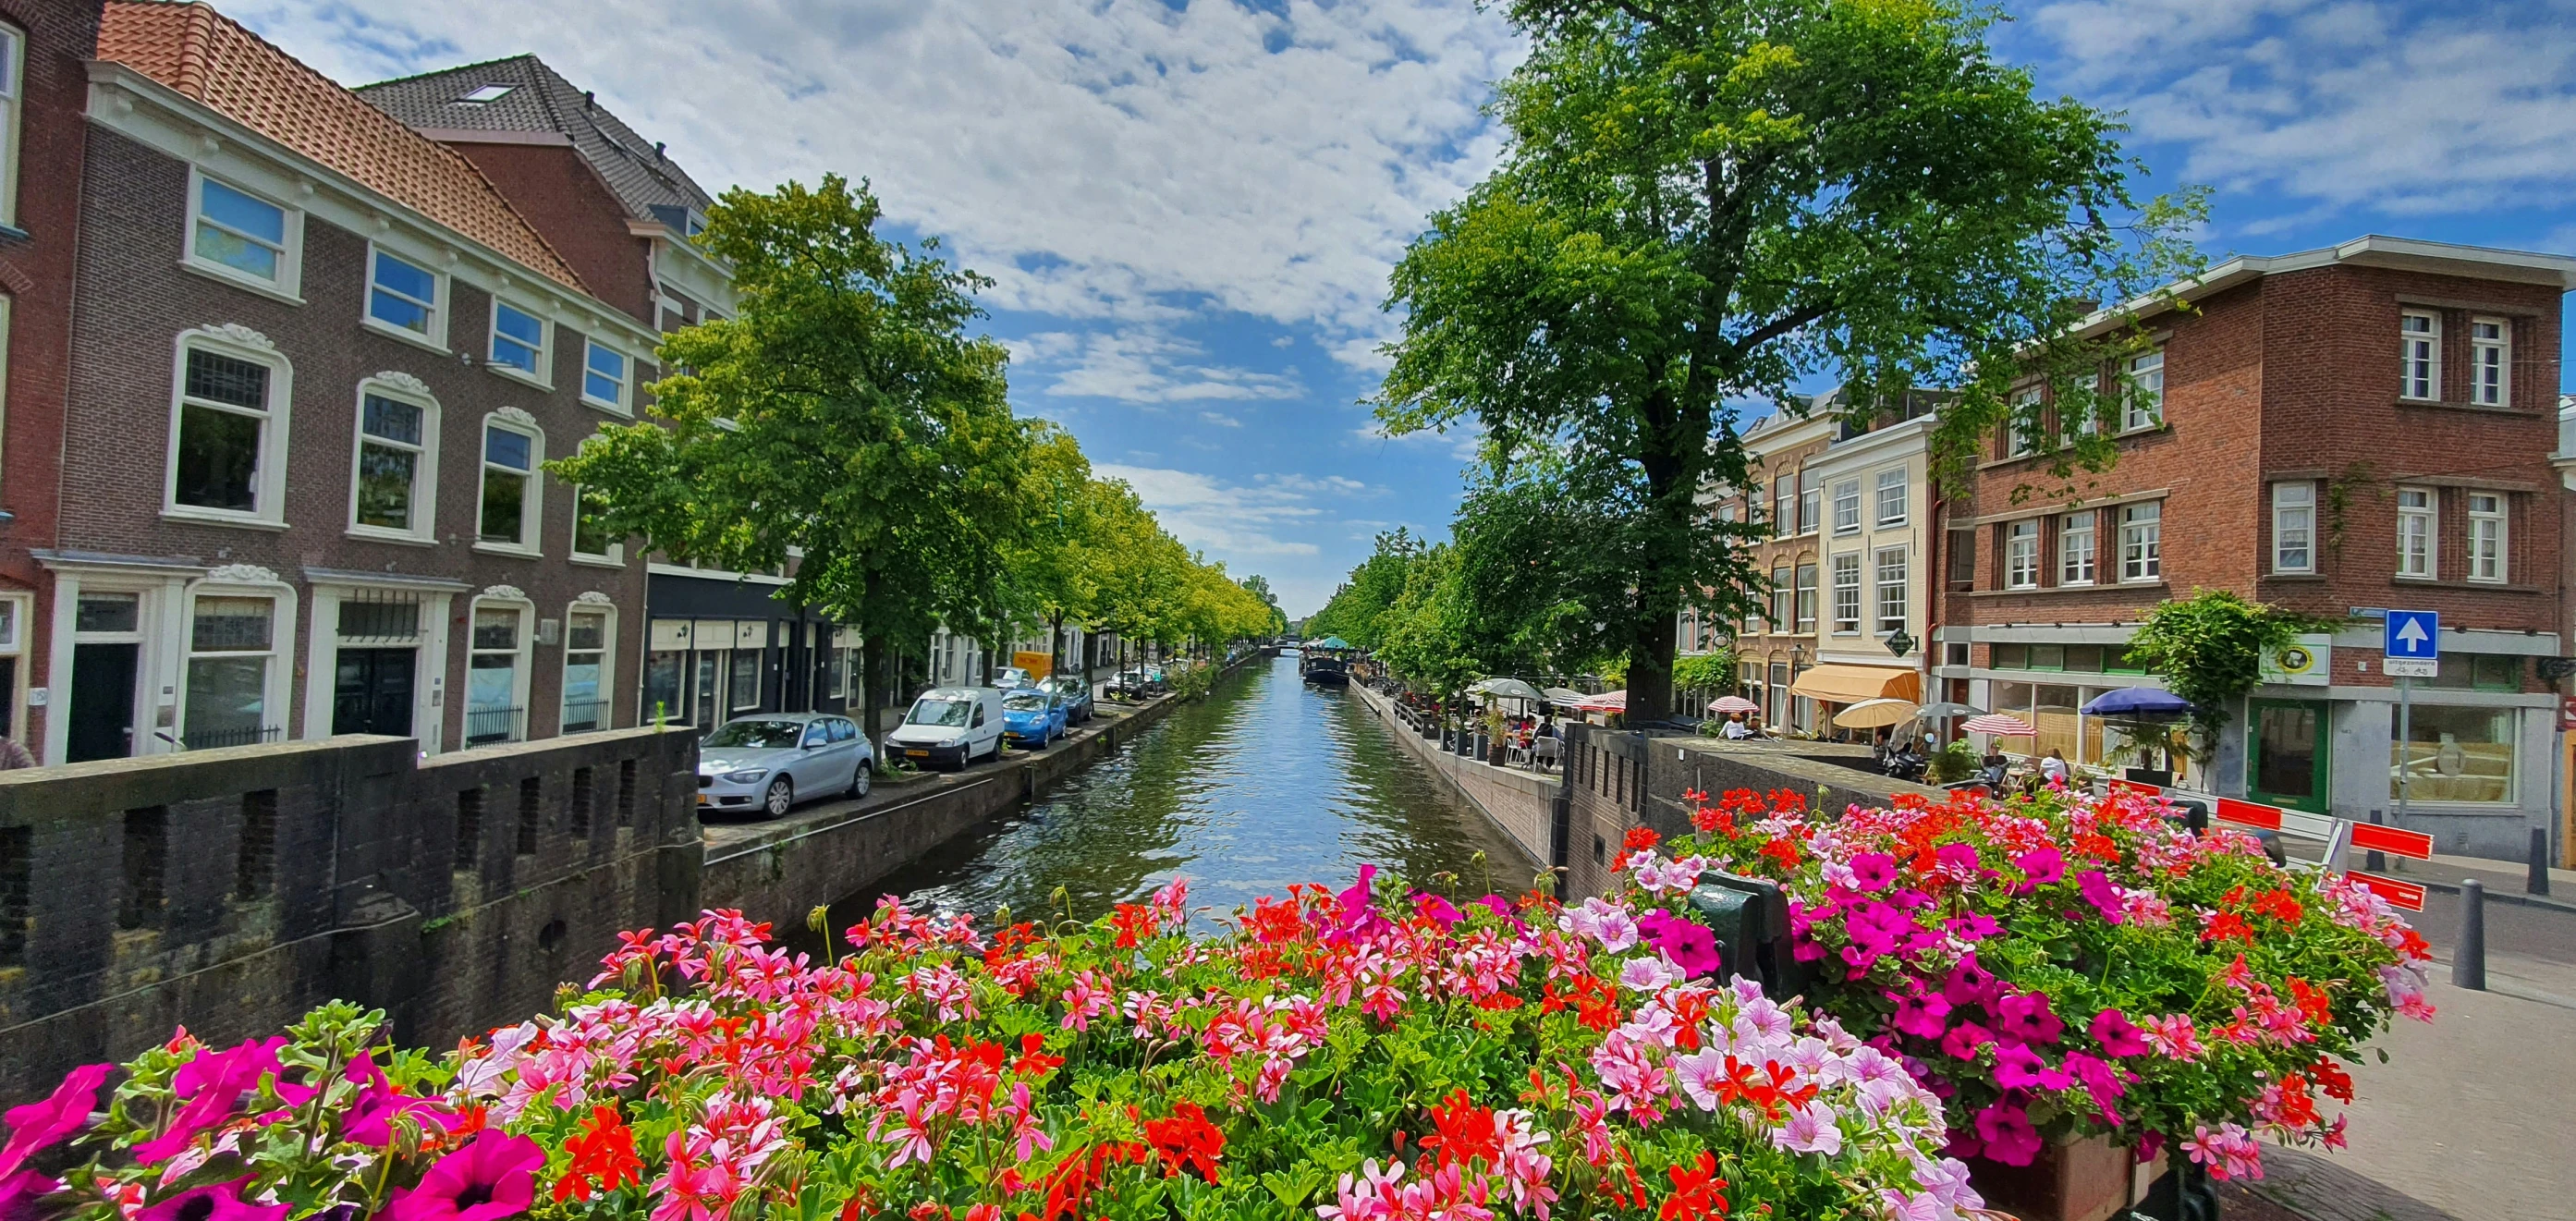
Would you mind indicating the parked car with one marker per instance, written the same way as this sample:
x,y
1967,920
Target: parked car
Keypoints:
x,y
769,762
950,725
1033,716
1013,676
1134,685
1076,695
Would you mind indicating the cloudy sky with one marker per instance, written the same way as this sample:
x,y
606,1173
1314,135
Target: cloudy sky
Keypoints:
x,y
1191,205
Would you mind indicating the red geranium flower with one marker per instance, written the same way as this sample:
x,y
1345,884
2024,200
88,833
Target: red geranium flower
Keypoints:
x,y
1695,1192
603,1154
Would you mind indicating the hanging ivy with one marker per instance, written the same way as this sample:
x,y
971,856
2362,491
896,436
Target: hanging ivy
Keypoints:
x,y
2210,648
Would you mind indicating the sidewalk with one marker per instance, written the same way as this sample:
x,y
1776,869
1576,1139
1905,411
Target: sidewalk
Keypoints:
x,y
2505,880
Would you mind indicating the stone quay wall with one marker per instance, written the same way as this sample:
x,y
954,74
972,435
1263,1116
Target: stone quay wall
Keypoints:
x,y
1521,803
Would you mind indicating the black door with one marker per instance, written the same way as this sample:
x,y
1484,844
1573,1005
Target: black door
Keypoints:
x,y
102,702
371,692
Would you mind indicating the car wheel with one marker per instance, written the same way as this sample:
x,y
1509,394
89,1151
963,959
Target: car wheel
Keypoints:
x,y
860,778
781,796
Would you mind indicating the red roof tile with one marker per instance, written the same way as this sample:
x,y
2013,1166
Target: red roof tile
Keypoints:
x,y
206,57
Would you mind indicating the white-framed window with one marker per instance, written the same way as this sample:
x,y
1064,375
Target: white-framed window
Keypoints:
x,y
2417,547
1891,591
2021,555
1806,599
604,375
232,656
2021,423
241,236
509,508
591,541
393,485
590,653
2143,405
1891,497
1783,596
1784,506
2486,536
519,340
496,672
406,298
1847,506
4,382
2419,355
2075,549
13,71
1811,503
2142,542
2490,361
2294,527
228,429
1847,593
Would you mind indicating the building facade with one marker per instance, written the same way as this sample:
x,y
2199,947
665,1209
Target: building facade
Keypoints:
x,y
1878,502
1776,647
2335,432
316,370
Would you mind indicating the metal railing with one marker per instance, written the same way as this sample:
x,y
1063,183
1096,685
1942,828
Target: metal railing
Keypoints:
x,y
583,716
216,739
492,726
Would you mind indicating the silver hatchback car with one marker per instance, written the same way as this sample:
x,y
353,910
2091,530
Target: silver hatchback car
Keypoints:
x,y
770,762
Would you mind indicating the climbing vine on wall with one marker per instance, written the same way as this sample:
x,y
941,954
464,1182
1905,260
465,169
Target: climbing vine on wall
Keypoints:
x,y
2209,649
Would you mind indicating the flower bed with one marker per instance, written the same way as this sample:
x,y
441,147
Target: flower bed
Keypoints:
x,y
1346,1057
2069,965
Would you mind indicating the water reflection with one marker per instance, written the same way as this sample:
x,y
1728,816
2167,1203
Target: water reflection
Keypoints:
x,y
1264,783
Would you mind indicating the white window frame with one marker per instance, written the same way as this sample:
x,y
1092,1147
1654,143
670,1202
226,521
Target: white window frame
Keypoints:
x,y
2488,526
1847,593
2294,527
2419,356
435,338
523,656
13,93
288,286
543,375
1893,582
2016,437
424,489
1784,506
1895,480
5,301
607,611
268,494
281,635
2021,554
2419,523
2142,543
1847,506
2078,557
614,557
532,508
625,381
2142,405
2491,362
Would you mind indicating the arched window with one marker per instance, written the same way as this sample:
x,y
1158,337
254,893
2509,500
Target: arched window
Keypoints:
x,y
393,481
512,501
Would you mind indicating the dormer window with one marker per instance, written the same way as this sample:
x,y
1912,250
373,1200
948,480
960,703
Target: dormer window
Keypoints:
x,y
486,95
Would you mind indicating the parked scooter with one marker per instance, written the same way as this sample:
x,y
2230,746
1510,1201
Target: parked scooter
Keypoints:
x,y
1906,763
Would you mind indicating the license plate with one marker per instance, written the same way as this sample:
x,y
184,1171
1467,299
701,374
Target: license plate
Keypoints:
x,y
917,754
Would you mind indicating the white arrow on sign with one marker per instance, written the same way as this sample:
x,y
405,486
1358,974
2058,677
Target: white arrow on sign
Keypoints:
x,y
2412,633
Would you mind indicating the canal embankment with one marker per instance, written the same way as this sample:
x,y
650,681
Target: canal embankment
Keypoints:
x,y
1519,803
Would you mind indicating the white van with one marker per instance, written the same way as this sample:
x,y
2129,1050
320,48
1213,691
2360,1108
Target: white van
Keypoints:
x,y
953,725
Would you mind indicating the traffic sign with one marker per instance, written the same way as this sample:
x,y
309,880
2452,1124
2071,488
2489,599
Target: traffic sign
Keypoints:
x,y
2414,644
2399,894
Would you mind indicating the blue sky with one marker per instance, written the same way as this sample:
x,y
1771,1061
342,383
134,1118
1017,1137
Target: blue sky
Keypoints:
x,y
1191,205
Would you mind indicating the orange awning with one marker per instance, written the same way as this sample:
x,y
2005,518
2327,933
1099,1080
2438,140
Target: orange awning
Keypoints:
x,y
1852,684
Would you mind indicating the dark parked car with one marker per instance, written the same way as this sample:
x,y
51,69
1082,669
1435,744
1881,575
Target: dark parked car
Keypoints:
x,y
1076,694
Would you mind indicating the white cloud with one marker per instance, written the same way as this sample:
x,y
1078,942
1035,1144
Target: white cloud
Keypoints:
x,y
1220,419
1115,159
2409,110
1231,521
1142,364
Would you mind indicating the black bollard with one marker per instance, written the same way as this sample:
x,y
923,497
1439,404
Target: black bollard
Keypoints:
x,y
2377,861
2539,882
2469,957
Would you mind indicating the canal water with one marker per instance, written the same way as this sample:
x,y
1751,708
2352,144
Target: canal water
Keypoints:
x,y
1264,783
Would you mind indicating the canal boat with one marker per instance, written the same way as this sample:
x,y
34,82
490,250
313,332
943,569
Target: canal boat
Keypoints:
x,y
1322,664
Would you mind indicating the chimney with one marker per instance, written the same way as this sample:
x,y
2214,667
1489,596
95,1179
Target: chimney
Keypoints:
x,y
589,100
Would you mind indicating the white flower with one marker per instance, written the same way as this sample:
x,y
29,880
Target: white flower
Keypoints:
x,y
1811,1129
1648,973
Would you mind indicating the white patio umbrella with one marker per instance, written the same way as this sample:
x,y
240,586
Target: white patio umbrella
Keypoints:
x,y
1870,714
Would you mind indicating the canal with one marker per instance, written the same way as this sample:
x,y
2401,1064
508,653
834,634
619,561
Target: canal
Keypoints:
x,y
1264,783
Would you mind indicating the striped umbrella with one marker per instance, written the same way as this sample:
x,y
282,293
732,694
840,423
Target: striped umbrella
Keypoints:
x,y
2001,725
1732,704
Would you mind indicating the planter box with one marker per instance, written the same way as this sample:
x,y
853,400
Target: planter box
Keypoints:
x,y
2084,1180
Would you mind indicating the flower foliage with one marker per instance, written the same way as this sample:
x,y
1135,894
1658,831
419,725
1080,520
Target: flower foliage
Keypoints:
x,y
2071,963
1368,1055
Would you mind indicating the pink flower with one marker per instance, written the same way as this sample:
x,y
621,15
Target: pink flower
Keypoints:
x,y
2017,1067
208,1087
1964,1039
1873,872
1924,1017
2027,1017
41,1125
1359,919
2007,1135
219,1202
2173,1038
2097,890
19,1193
1687,943
493,1178
1811,1129
1440,910
2118,1037
1969,984
2043,866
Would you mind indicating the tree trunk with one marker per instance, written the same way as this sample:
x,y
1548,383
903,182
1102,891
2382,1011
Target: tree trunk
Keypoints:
x,y
872,660
1055,643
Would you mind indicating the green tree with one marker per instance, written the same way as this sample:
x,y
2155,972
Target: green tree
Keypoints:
x,y
1428,632
1054,568
843,417
1703,203
1359,607
1259,587
2209,649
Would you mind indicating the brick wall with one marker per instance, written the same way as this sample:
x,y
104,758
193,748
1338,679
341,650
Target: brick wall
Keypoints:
x,y
231,890
578,215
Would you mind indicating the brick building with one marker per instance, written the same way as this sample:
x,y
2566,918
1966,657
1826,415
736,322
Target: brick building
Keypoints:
x,y
2366,426
318,365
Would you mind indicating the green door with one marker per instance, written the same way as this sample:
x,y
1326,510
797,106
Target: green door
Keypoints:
x,y
2285,754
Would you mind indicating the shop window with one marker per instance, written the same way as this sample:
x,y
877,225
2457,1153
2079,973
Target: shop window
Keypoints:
x,y
2455,755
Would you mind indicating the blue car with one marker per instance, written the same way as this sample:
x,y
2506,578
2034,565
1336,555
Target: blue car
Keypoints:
x,y
1032,716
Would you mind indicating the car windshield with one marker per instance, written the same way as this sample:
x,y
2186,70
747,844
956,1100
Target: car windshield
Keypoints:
x,y
757,735
948,714
1025,703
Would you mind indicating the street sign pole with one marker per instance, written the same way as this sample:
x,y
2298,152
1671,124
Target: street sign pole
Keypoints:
x,y
2405,739
2413,650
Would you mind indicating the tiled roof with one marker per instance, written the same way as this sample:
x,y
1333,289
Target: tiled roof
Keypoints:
x,y
540,100
206,57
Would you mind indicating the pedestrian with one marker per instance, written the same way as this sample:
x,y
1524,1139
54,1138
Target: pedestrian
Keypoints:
x,y
2053,768
12,755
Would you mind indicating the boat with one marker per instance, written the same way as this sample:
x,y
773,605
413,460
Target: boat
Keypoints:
x,y
1322,664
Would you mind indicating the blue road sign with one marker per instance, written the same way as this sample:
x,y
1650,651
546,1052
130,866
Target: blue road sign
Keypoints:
x,y
2414,635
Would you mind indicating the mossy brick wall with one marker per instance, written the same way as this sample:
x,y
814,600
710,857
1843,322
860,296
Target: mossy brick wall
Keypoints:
x,y
230,890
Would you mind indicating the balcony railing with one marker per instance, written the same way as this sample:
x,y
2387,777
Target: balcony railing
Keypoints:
x,y
216,739
583,716
492,726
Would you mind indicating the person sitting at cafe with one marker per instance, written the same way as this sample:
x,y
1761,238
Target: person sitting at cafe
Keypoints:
x,y
1736,729
1993,768
2053,768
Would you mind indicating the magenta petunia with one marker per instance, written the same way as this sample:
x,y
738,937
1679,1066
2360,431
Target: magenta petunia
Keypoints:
x,y
219,1202
2044,866
370,1116
2006,1133
493,1178
1964,1039
1968,984
1686,942
208,1088
2097,890
2117,1035
1958,860
42,1125
2017,1067
19,1193
1438,909
1873,871
1924,1017
2027,1017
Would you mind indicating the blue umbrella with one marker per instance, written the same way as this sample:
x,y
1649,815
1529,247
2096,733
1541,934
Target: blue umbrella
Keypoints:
x,y
2138,702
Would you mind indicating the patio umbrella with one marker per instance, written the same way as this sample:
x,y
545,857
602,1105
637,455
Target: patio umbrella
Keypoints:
x,y
1509,689
2001,725
1870,714
2138,704
1945,709
1562,695
1607,701
1733,704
